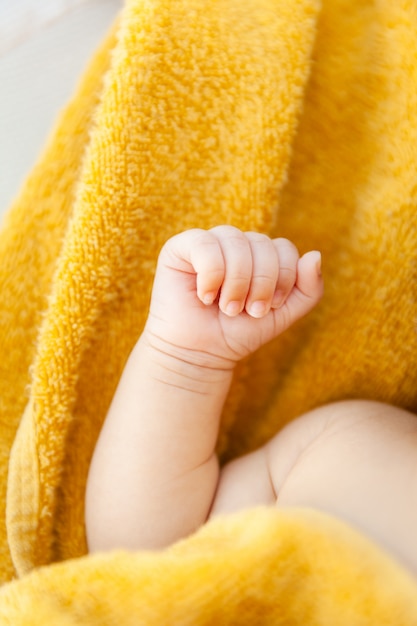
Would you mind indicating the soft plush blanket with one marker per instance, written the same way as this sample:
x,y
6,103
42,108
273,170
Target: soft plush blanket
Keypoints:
x,y
296,118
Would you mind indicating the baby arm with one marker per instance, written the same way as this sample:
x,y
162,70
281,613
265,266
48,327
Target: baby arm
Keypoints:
x,y
218,296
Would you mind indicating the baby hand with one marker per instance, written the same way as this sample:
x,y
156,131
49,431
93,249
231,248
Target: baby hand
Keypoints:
x,y
221,294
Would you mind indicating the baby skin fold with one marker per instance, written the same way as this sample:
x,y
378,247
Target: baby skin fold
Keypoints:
x,y
218,296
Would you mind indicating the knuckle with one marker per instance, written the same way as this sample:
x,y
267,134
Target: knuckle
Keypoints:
x,y
287,277
287,246
237,278
205,239
224,231
213,273
259,238
207,248
231,236
235,288
262,282
238,244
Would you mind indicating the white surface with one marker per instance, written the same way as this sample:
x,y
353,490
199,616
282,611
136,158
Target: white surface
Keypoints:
x,y
20,19
45,46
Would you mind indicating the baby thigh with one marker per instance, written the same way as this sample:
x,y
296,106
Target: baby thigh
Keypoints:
x,y
357,461
333,458
257,478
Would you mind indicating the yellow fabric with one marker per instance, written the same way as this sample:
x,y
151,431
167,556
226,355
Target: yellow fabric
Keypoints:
x,y
286,117
260,567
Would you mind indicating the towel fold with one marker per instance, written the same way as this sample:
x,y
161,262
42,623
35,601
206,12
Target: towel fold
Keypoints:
x,y
296,119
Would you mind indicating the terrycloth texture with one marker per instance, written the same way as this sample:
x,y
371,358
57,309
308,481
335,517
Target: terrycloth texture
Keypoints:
x,y
286,117
260,567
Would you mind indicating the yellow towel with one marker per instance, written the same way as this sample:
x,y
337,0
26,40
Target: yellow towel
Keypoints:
x,y
297,118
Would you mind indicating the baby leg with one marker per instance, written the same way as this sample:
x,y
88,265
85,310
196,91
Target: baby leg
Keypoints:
x,y
355,460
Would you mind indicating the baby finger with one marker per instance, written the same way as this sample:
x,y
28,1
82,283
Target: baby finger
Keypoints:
x,y
288,258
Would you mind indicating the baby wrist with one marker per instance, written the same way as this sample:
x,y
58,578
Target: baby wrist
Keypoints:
x,y
190,369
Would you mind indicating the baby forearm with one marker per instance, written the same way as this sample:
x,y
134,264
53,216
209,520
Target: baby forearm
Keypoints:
x,y
143,495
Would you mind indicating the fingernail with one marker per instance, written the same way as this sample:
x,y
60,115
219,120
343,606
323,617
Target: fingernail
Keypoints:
x,y
278,298
257,309
209,298
233,308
